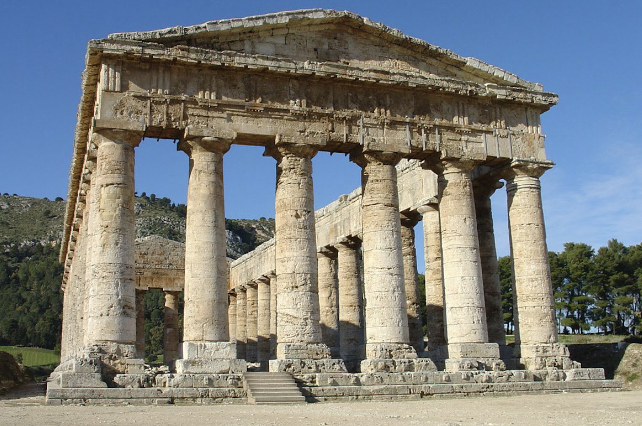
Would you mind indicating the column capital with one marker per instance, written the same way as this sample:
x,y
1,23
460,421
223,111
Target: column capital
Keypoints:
x,y
348,243
378,157
410,218
451,165
486,185
327,251
99,136
430,207
527,168
204,143
291,150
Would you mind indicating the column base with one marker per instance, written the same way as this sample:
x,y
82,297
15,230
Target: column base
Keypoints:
x,y
472,357
77,373
398,365
390,351
543,355
304,351
116,358
307,366
209,358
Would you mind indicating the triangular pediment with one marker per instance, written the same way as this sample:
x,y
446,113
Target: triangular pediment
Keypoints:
x,y
328,36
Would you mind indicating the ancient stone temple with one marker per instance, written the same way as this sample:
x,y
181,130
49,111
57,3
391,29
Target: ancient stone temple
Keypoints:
x,y
333,299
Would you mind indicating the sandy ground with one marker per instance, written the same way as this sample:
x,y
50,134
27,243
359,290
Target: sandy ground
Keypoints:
x,y
26,407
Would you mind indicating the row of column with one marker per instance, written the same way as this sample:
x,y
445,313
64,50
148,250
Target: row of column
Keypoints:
x,y
111,316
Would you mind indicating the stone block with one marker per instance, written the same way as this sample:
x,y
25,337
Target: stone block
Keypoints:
x,y
207,350
210,366
302,351
585,374
473,350
299,367
77,380
390,351
542,350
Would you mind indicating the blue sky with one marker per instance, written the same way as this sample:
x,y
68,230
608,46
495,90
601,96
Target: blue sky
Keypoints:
x,y
588,52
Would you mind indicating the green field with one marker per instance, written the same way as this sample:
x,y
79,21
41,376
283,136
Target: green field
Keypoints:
x,y
33,357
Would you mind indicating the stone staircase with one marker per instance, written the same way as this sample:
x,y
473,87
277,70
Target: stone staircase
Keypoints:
x,y
271,388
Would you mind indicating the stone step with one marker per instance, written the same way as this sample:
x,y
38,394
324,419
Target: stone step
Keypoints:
x,y
271,388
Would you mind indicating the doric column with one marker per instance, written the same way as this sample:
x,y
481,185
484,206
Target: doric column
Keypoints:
x,y
328,299
351,332
466,331
273,310
205,321
231,315
241,322
298,329
140,323
483,188
263,322
535,332
411,280
385,311
252,322
434,277
111,324
170,340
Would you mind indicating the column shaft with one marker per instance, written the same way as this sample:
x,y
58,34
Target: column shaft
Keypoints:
x,y
251,324
205,317
231,314
112,298
241,322
434,277
170,338
411,280
385,312
140,323
328,301
298,329
273,313
351,332
263,322
488,254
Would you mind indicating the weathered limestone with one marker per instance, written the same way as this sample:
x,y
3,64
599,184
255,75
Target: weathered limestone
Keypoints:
x,y
251,294
170,337
434,278
140,323
111,322
328,87
483,189
241,322
206,347
466,332
298,330
328,299
411,280
351,333
536,344
263,322
385,314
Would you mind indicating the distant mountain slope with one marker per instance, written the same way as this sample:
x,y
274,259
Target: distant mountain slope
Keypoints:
x,y
28,221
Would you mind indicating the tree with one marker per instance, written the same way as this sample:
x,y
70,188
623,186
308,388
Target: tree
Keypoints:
x,y
573,291
506,286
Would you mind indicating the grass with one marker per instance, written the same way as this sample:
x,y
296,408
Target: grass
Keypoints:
x,y
33,357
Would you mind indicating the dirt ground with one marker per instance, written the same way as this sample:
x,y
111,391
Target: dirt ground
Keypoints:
x,y
26,407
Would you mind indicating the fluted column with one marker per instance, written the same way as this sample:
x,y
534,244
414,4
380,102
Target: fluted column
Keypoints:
x,y
140,323
535,332
466,331
328,299
434,277
385,312
252,322
298,329
483,189
273,311
411,280
351,332
112,296
241,322
231,315
170,338
205,320
263,322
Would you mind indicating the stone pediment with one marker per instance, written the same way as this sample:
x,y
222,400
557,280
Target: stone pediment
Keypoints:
x,y
326,38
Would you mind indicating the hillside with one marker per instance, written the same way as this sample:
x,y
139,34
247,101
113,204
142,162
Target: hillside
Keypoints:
x,y
30,275
29,221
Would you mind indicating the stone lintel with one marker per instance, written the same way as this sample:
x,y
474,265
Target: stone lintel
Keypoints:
x,y
192,132
104,124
